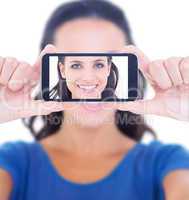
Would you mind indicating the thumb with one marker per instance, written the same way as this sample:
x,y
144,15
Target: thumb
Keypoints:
x,y
49,48
143,61
37,65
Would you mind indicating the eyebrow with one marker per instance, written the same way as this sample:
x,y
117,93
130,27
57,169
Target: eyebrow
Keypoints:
x,y
82,62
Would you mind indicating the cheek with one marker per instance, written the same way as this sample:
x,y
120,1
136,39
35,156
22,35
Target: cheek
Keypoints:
x,y
71,78
103,78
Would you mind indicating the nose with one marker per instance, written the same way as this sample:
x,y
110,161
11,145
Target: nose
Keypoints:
x,y
89,75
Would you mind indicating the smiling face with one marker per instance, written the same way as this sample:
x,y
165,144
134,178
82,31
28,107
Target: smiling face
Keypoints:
x,y
86,76
88,35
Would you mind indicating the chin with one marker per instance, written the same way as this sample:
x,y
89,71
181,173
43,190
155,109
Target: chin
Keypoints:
x,y
94,119
91,122
90,115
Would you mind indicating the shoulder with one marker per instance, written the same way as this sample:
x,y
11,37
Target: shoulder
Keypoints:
x,y
166,157
162,167
173,171
159,152
14,158
14,152
170,163
14,149
169,156
13,145
159,159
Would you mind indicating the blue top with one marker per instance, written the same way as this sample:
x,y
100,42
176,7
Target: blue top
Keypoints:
x,y
139,175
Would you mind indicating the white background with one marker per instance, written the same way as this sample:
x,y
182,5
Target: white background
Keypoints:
x,y
53,75
160,29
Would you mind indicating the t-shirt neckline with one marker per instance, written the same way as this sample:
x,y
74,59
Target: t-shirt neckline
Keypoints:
x,y
126,159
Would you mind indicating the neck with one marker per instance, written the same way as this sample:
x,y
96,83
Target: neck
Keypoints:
x,y
82,140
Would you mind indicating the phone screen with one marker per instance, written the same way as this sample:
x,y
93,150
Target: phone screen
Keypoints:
x,y
89,77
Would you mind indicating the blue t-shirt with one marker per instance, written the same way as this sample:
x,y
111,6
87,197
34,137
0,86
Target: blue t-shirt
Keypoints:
x,y
138,176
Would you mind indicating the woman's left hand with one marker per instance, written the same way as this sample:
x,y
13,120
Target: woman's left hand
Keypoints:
x,y
170,80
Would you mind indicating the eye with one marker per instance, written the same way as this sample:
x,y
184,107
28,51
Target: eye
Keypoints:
x,y
99,65
75,66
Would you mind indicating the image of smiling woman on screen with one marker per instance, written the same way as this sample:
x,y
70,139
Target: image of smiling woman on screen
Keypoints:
x,y
85,77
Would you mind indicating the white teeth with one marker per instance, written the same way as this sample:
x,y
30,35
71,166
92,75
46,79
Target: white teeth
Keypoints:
x,y
87,87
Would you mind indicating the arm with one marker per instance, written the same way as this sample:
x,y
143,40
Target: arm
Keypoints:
x,y
5,185
176,185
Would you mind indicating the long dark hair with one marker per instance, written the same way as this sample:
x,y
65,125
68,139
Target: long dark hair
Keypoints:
x,y
61,92
130,124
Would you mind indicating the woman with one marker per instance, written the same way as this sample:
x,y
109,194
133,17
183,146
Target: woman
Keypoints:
x,y
85,78
93,151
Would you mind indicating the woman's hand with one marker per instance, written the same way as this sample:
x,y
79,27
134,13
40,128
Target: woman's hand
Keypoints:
x,y
17,80
170,80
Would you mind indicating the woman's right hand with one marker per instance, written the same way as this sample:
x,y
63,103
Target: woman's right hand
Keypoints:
x,y
17,81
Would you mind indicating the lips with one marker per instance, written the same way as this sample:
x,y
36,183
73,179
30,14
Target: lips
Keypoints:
x,y
87,88
92,107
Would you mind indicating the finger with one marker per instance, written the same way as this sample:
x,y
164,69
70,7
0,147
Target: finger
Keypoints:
x,y
8,68
172,67
143,61
184,69
20,77
159,74
2,60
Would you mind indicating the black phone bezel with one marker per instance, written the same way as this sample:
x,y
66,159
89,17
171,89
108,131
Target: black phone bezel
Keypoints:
x,y
132,76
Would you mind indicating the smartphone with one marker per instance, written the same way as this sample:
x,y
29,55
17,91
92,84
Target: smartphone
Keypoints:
x,y
89,77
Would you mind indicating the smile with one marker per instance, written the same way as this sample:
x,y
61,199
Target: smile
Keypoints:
x,y
87,87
